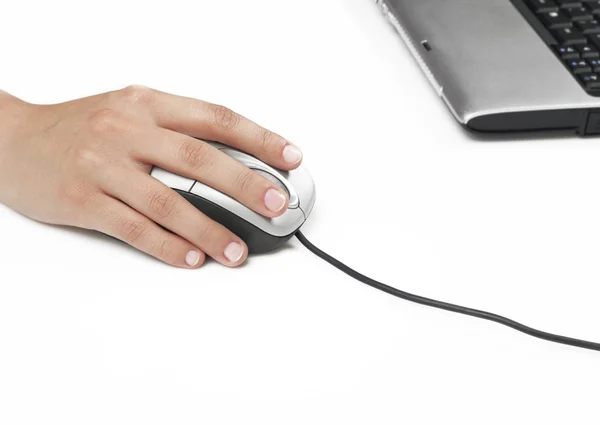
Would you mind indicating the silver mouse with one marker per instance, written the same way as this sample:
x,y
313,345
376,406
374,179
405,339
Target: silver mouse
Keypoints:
x,y
261,234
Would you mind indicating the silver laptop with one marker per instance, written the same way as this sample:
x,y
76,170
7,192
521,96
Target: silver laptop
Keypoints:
x,y
508,65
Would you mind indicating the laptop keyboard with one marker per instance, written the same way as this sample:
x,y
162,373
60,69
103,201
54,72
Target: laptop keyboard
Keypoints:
x,y
572,29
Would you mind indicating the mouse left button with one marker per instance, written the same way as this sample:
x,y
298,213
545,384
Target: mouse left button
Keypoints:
x,y
174,181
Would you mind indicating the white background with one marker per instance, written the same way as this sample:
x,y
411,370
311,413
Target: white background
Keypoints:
x,y
92,332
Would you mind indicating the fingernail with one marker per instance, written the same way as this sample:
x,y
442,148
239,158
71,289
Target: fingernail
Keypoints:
x,y
192,258
233,252
291,154
274,200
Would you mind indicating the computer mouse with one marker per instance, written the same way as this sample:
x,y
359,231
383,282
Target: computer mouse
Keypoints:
x,y
260,233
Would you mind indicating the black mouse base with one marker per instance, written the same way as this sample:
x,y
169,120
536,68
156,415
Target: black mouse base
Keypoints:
x,y
257,240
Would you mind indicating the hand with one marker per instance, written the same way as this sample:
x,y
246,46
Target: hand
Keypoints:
x,y
86,163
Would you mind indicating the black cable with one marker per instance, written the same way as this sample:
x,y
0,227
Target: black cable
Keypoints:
x,y
446,306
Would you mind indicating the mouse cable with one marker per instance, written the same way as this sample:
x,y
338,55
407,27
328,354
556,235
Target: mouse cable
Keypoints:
x,y
446,306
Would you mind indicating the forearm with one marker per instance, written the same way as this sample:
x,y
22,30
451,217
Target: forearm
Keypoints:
x,y
7,119
12,116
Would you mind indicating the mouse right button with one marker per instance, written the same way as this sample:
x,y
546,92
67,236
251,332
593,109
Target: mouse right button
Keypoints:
x,y
304,186
293,198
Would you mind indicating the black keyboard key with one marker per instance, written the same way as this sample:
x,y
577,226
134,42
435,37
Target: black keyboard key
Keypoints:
x,y
591,81
595,64
593,5
589,27
555,20
567,52
568,3
595,40
543,6
588,51
579,14
569,36
579,66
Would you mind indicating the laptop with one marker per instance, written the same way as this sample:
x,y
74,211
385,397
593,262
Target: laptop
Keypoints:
x,y
508,65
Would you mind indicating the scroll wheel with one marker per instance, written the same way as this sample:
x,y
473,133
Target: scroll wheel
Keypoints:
x,y
272,179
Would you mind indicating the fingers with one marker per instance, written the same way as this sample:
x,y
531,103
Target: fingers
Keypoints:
x,y
200,161
218,123
120,221
166,207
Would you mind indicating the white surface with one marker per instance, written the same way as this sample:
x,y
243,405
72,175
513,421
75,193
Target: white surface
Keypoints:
x,y
91,332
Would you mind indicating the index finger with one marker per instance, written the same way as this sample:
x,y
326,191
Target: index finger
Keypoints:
x,y
217,123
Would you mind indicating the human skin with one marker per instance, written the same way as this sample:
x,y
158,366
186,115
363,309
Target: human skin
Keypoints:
x,y
87,162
